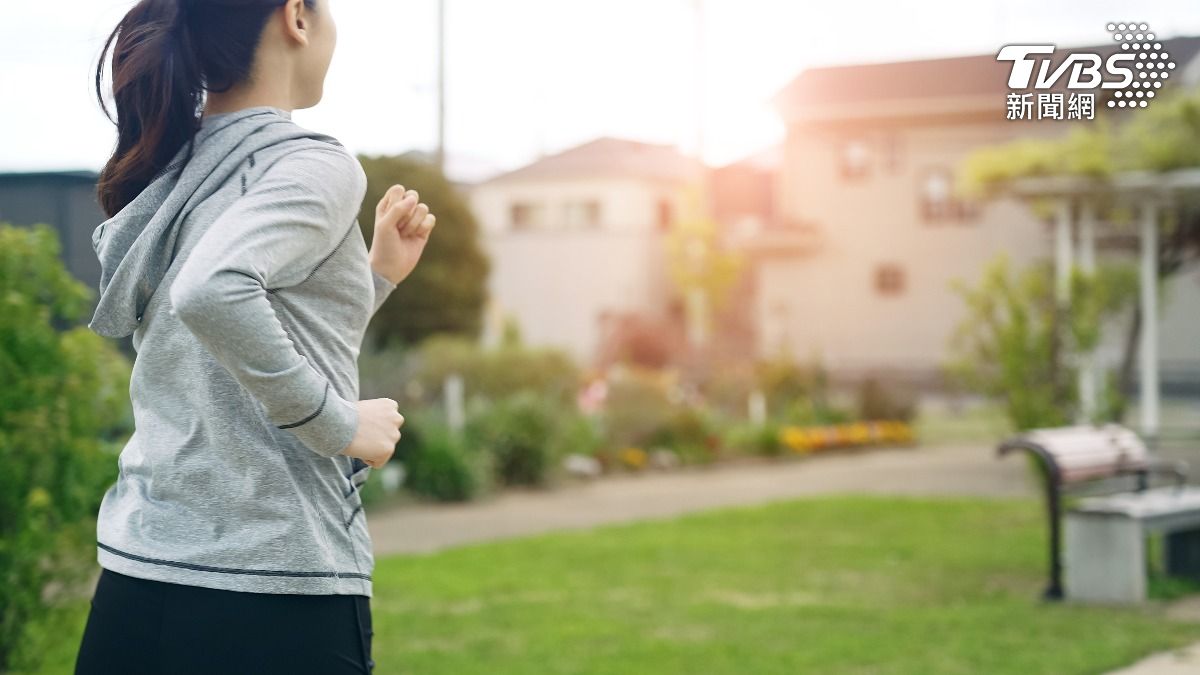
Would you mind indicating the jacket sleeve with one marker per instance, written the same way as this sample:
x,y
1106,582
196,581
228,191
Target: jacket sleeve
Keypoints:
x,y
273,236
383,288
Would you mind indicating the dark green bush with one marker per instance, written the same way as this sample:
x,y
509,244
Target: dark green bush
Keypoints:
x,y
63,410
687,431
520,433
441,466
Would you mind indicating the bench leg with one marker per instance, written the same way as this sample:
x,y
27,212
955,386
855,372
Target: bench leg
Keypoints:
x,y
1105,558
1181,554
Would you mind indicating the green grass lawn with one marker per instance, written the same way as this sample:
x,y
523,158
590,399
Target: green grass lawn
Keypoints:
x,y
845,584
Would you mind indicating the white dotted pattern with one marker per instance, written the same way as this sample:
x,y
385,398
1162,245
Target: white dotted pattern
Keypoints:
x,y
1152,64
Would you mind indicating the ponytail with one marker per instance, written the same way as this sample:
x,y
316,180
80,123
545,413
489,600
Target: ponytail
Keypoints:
x,y
157,88
168,52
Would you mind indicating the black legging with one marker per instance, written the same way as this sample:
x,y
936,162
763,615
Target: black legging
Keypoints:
x,y
143,627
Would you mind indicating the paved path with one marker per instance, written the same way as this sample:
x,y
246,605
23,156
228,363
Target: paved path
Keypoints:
x,y
938,470
941,470
1184,661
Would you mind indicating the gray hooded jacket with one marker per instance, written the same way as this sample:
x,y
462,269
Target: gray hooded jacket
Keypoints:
x,y
242,275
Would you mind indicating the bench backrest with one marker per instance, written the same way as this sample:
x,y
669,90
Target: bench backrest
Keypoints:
x,y
1086,452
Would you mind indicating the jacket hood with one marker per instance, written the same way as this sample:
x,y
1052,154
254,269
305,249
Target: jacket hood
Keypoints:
x,y
137,245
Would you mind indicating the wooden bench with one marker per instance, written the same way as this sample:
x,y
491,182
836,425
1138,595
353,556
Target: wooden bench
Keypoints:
x,y
1083,454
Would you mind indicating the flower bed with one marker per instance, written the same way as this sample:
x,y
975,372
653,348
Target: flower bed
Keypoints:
x,y
806,439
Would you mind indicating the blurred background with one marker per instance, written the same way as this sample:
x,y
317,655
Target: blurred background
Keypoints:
x,y
806,250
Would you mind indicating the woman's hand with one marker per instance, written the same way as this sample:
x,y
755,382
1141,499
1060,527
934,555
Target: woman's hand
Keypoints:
x,y
402,227
379,422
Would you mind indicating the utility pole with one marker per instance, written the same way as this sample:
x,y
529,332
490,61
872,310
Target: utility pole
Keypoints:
x,y
441,87
696,301
698,5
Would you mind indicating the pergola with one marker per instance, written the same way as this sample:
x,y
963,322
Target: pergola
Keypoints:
x,y
1076,201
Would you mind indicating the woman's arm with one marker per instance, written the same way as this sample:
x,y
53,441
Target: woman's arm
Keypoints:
x,y
383,288
273,236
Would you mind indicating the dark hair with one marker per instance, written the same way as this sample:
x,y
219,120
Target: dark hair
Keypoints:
x,y
168,53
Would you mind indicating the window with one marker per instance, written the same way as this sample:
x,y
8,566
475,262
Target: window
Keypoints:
x,y
525,215
581,214
665,216
938,201
854,159
889,279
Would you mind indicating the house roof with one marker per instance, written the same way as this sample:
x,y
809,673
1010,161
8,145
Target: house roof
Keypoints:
x,y
961,77
608,156
80,175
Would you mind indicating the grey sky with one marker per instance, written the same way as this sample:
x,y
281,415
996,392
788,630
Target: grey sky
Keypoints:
x,y
530,76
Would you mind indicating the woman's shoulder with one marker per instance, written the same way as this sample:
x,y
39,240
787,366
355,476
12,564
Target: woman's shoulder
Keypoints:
x,y
321,163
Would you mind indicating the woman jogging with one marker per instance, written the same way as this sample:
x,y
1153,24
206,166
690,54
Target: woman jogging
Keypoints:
x,y
234,539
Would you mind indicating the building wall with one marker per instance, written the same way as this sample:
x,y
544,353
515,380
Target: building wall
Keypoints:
x,y
827,304
557,280
1179,345
65,201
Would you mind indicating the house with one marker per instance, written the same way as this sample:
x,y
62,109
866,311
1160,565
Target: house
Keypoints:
x,y
866,178
65,200
576,241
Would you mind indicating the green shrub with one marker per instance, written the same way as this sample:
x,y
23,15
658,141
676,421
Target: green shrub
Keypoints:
x,y
786,383
441,466
637,407
687,431
1017,346
520,433
750,438
63,404
578,434
807,411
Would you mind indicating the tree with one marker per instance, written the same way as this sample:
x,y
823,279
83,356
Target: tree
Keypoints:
x,y
447,291
702,271
65,396
1016,345
1162,137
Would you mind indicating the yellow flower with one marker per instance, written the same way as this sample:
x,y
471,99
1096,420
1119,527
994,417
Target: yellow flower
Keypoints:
x,y
858,433
795,438
818,438
634,458
887,431
875,428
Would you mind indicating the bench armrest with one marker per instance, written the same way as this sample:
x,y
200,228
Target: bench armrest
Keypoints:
x,y
1176,468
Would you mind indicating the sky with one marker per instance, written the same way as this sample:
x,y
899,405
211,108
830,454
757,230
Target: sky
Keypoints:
x,y
531,77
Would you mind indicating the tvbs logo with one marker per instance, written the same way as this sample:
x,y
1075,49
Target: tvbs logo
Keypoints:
x,y
1139,64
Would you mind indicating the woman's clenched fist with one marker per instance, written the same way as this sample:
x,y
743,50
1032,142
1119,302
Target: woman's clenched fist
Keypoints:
x,y
402,228
379,422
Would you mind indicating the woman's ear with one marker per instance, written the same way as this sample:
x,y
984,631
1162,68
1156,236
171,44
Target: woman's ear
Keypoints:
x,y
296,20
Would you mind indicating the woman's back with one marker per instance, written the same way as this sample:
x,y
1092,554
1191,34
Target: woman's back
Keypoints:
x,y
246,372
